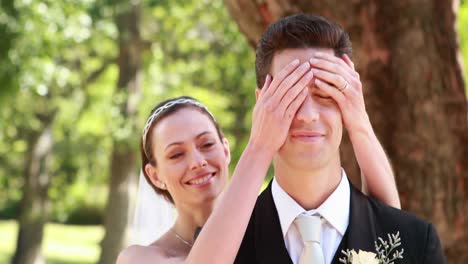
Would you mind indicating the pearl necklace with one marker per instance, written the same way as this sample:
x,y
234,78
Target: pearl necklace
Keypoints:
x,y
180,238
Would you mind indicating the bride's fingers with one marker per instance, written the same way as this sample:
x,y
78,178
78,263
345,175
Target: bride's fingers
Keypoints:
x,y
337,80
337,61
278,79
294,91
348,61
295,104
349,76
338,96
330,67
266,86
290,81
330,58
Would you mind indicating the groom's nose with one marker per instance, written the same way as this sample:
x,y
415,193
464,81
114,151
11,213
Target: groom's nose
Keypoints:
x,y
308,111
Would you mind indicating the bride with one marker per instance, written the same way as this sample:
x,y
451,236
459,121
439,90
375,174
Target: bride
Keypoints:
x,y
185,159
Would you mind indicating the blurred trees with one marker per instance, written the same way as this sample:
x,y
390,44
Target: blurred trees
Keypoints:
x,y
185,45
123,158
62,66
190,40
407,54
55,68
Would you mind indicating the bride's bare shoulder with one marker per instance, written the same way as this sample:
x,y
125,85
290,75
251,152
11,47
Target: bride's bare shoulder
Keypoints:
x,y
142,254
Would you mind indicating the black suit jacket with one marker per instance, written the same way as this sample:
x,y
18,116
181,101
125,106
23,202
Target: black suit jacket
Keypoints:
x,y
369,219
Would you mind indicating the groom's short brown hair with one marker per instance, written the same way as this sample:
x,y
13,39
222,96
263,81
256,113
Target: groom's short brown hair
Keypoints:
x,y
298,32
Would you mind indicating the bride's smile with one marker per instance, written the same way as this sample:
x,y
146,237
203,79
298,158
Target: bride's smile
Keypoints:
x,y
192,163
202,179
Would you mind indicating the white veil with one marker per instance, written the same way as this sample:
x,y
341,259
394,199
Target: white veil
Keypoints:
x,y
154,215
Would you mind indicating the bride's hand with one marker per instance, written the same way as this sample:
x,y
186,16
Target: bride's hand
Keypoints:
x,y
338,78
277,104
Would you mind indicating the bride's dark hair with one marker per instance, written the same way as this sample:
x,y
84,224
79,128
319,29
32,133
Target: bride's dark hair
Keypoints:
x,y
146,145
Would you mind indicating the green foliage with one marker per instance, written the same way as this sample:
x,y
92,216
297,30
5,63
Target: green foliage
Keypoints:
x,y
64,53
82,204
86,215
8,33
462,29
59,50
200,52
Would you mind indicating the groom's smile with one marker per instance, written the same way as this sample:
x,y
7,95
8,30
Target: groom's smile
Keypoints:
x,y
316,130
307,136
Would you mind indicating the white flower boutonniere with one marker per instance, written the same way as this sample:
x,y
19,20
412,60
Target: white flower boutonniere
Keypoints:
x,y
387,252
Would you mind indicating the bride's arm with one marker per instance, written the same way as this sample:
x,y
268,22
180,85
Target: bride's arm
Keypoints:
x,y
146,255
221,236
377,175
376,172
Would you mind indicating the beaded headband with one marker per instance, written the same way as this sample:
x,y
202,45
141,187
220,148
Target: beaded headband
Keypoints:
x,y
164,107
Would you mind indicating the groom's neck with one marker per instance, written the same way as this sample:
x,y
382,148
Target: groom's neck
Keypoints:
x,y
309,188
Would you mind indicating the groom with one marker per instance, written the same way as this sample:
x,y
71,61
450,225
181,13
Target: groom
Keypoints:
x,y
310,195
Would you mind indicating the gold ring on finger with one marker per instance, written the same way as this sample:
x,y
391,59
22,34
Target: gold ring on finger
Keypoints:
x,y
344,87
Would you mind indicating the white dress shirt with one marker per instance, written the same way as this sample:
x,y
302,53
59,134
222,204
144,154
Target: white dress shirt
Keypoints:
x,y
335,213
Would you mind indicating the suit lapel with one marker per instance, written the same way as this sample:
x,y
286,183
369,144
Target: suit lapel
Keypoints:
x,y
362,229
269,239
360,235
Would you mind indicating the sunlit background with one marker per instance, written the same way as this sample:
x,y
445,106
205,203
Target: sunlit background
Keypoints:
x,y
59,72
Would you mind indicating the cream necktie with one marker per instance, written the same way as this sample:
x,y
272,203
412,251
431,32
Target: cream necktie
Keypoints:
x,y
310,229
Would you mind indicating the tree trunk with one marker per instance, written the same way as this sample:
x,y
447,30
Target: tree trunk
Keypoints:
x,y
408,57
35,202
123,171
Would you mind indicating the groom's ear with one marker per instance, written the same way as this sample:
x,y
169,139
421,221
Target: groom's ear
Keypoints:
x,y
227,151
257,92
153,176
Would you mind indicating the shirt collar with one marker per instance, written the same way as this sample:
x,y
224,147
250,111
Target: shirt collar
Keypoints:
x,y
335,209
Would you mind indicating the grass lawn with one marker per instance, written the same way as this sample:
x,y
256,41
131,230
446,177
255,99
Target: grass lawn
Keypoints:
x,y
63,244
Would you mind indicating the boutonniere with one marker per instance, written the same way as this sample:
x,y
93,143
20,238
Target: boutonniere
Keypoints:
x,y
387,252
